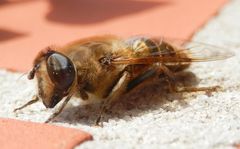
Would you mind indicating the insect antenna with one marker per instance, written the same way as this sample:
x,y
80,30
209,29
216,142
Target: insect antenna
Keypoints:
x,y
22,75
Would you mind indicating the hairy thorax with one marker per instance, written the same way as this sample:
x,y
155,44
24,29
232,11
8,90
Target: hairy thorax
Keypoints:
x,y
94,76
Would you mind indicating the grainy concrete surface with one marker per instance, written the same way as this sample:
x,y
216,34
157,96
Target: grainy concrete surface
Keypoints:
x,y
156,119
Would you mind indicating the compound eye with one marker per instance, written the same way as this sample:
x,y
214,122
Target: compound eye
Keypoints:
x,y
61,71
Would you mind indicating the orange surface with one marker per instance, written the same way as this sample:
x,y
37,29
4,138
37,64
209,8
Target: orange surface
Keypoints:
x,y
28,26
27,135
237,146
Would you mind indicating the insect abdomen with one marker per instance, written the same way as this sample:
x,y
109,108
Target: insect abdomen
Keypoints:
x,y
145,47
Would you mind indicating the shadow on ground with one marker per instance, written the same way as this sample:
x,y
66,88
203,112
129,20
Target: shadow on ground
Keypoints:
x,y
149,97
10,2
94,11
8,35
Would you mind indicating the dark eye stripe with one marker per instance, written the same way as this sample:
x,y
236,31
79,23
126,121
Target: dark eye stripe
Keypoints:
x,y
40,88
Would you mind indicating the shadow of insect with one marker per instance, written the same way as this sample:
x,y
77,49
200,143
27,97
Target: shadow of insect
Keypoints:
x,y
149,97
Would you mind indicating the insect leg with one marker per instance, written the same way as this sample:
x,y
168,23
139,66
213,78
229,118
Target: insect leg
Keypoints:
x,y
169,77
172,87
118,89
59,110
34,100
208,90
125,85
83,94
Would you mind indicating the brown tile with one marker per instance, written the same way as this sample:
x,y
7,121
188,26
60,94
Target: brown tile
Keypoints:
x,y
17,134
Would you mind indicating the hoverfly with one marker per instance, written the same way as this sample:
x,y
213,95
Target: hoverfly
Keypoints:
x,y
108,66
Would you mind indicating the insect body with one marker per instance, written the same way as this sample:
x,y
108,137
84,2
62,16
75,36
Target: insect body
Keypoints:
x,y
108,67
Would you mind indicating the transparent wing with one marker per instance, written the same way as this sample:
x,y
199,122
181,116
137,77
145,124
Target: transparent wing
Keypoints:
x,y
175,51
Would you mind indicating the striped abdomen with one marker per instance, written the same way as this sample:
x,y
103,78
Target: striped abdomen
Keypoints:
x,y
145,47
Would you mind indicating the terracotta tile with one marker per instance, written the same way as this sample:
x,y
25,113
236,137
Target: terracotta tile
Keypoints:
x,y
45,22
17,134
237,145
